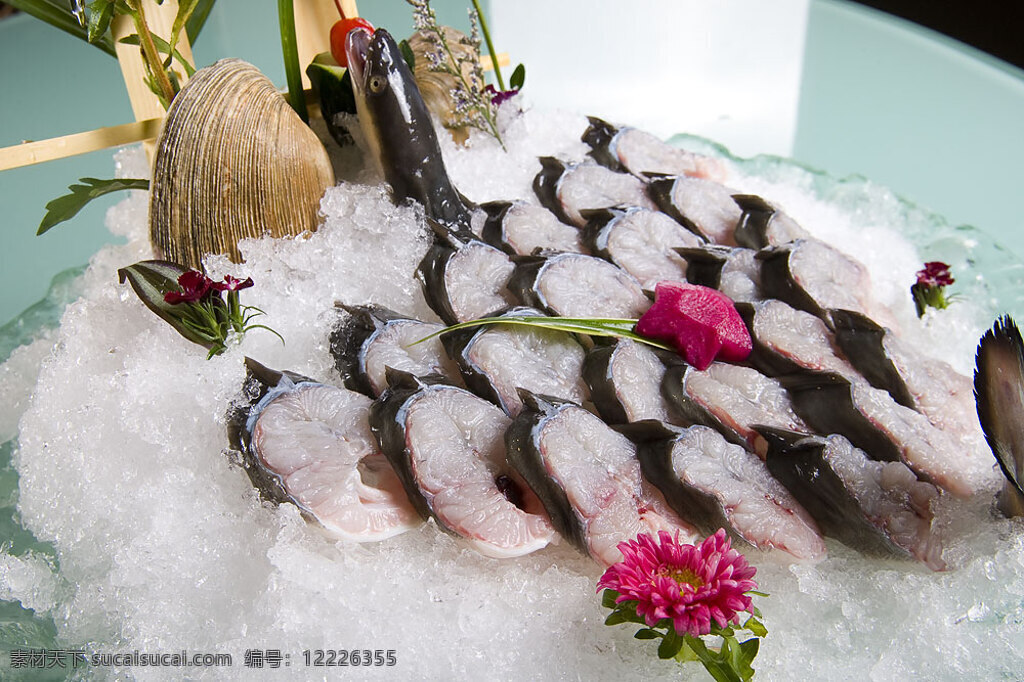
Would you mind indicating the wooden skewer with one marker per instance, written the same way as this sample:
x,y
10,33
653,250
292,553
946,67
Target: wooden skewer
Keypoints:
x,y
29,153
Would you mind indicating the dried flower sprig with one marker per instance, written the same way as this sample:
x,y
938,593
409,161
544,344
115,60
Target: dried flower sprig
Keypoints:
x,y
203,311
681,593
472,104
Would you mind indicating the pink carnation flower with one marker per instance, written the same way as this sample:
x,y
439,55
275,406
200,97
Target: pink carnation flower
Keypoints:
x,y
689,584
934,274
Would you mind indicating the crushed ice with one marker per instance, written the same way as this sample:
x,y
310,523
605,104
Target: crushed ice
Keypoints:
x,y
163,545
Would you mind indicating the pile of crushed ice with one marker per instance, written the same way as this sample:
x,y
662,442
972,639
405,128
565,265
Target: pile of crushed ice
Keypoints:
x,y
163,545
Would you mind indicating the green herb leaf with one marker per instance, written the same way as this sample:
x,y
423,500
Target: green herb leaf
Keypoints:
x,y
408,54
518,78
647,633
165,47
616,618
290,51
185,10
756,626
333,86
608,598
101,12
716,663
670,644
194,24
67,207
151,279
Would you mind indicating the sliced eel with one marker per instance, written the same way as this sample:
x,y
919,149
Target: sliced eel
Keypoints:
x,y
588,477
570,190
810,275
638,152
884,429
734,271
520,228
464,278
641,242
370,338
763,224
714,484
928,385
310,444
879,508
788,340
576,285
732,400
497,360
999,387
447,447
704,207
625,381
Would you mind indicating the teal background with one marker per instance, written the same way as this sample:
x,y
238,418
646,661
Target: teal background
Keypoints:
x,y
933,119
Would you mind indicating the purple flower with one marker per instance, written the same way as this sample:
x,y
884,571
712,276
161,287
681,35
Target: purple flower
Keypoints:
x,y
232,284
499,96
935,274
194,286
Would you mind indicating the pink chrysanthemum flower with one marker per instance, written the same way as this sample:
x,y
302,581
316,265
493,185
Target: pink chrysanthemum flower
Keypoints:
x,y
689,584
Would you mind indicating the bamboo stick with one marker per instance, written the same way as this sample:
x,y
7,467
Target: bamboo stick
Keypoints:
x,y
313,21
29,153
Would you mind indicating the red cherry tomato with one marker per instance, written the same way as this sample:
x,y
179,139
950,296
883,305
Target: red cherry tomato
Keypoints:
x,y
338,33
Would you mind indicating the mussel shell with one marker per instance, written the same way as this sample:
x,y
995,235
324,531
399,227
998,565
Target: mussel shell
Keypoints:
x,y
233,161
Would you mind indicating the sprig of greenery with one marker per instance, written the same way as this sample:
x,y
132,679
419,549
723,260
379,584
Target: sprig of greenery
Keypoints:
x,y
290,49
67,206
593,326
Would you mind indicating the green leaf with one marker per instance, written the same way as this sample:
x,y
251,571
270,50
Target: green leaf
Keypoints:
x,y
67,206
670,645
756,626
161,46
185,10
408,54
616,618
56,13
290,51
151,279
518,78
333,87
195,23
608,598
101,12
647,633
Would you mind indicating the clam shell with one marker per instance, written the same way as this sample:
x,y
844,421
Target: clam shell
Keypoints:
x,y
233,161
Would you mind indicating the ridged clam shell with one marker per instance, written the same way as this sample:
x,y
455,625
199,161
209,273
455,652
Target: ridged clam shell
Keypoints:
x,y
233,161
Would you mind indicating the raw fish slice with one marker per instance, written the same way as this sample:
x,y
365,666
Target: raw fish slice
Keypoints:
x,y
520,228
315,443
588,478
704,207
496,360
788,340
465,281
926,384
713,483
763,224
371,338
637,152
875,507
999,387
885,430
734,271
641,242
447,447
732,400
625,382
568,191
575,285
810,275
